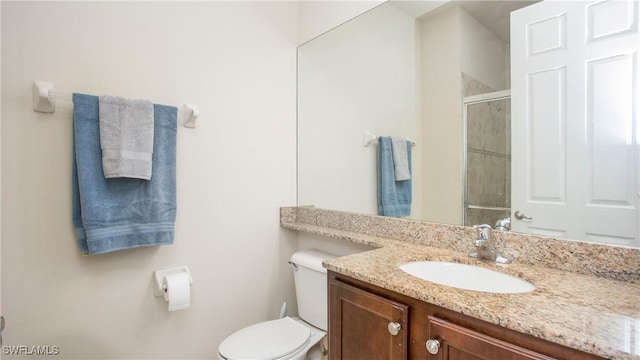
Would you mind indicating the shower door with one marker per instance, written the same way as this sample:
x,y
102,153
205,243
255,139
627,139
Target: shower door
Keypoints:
x,y
487,173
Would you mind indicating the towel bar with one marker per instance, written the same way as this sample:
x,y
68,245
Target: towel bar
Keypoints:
x,y
190,114
369,139
44,101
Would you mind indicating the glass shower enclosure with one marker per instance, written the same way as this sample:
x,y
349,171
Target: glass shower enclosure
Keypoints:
x,y
487,173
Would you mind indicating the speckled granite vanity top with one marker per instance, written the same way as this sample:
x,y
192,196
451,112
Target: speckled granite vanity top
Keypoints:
x,y
587,296
595,315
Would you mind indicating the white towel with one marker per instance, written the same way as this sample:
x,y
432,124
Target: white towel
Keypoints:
x,y
126,137
400,159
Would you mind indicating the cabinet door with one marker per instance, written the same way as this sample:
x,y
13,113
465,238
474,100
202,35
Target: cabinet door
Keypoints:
x,y
459,343
363,325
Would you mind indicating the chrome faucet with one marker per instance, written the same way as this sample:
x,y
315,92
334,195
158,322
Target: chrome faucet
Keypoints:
x,y
485,249
503,224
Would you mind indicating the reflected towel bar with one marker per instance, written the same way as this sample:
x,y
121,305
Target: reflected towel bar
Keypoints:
x,y
369,139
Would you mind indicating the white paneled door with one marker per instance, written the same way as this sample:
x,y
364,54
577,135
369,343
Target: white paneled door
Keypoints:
x,y
575,155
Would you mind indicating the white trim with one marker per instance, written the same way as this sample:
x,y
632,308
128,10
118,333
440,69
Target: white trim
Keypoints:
x,y
496,95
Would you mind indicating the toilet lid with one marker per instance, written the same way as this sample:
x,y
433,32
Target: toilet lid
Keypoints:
x,y
266,341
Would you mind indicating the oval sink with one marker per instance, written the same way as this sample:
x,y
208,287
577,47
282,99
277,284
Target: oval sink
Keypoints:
x,y
467,277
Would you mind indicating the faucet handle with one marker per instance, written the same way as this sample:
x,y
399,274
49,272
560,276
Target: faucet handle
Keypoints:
x,y
484,231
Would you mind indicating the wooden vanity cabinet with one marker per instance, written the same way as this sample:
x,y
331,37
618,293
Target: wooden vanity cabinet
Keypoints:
x,y
365,326
363,319
459,343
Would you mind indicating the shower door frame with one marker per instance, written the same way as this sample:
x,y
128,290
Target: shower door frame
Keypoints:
x,y
466,101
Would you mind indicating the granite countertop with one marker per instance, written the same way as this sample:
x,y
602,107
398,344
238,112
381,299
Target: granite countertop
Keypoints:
x,y
587,295
596,315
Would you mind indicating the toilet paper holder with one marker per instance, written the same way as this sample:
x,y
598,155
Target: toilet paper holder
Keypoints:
x,y
160,289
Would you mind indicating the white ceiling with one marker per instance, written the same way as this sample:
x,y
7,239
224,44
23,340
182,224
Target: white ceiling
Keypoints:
x,y
494,14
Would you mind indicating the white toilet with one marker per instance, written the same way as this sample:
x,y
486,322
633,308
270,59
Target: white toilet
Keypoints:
x,y
287,338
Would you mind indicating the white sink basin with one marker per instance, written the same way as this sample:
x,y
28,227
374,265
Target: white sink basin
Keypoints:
x,y
467,277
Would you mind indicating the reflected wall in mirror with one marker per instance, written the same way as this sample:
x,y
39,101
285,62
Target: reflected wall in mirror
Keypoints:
x,y
418,70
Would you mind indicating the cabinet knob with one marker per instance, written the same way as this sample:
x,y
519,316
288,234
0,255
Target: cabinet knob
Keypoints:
x,y
433,346
394,328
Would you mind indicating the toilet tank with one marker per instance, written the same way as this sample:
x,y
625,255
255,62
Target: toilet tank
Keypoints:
x,y
310,280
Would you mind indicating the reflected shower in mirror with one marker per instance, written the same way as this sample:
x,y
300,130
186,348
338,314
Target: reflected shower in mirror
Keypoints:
x,y
487,196
430,71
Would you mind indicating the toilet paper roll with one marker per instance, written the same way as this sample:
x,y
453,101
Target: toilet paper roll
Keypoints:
x,y
178,290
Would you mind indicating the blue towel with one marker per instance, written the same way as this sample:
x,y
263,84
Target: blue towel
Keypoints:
x,y
394,197
122,213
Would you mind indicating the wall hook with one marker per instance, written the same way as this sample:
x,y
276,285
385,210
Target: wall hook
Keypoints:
x,y
190,114
42,101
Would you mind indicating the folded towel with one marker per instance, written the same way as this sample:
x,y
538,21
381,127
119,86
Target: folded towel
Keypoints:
x,y
400,159
126,137
122,213
394,197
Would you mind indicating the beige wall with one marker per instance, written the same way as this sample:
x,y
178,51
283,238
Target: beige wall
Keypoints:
x,y
484,56
441,117
236,61
0,171
452,43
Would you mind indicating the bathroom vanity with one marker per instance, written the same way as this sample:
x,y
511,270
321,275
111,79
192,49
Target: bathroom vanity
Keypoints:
x,y
567,316
368,322
585,305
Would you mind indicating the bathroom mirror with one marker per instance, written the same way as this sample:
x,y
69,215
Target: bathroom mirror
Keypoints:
x,y
440,74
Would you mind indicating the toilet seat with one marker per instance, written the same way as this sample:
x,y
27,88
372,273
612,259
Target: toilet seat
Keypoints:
x,y
270,340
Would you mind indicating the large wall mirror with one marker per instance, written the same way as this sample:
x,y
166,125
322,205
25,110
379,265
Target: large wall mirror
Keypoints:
x,y
523,114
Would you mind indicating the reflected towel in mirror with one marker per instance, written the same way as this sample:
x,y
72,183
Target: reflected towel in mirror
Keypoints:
x,y
394,197
400,158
